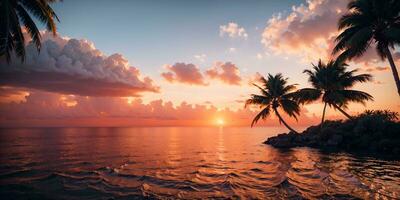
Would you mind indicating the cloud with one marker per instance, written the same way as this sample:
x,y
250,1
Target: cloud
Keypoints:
x,y
255,79
72,66
52,109
190,74
373,69
233,30
396,56
372,66
226,72
201,57
232,50
11,94
241,101
10,91
308,31
184,73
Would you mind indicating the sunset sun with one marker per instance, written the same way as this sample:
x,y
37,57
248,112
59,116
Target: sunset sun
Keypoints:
x,y
220,122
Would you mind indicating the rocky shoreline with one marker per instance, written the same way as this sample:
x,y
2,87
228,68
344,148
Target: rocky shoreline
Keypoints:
x,y
371,133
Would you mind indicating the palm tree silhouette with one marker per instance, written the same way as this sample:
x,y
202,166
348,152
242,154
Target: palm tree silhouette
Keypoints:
x,y
331,83
370,21
17,13
275,93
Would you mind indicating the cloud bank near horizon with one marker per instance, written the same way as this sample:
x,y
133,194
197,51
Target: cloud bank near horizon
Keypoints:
x,y
40,106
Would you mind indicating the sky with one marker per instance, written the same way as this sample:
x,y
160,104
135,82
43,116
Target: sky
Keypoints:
x,y
176,63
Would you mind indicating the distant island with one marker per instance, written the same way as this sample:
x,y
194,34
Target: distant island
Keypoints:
x,y
372,132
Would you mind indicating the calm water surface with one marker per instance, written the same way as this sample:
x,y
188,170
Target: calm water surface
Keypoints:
x,y
186,163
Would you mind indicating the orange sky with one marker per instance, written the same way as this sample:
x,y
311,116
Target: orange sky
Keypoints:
x,y
74,83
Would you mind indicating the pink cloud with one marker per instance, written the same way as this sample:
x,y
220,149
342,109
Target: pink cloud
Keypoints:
x,y
308,31
184,73
255,79
52,109
226,72
72,66
169,76
372,69
379,82
372,66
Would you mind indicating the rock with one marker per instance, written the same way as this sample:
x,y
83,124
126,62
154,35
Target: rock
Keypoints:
x,y
375,133
284,140
335,140
281,141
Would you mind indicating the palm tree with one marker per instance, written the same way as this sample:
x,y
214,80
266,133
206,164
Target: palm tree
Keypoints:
x,y
14,15
275,93
370,21
331,83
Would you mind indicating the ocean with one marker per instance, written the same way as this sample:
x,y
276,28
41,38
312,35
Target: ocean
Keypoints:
x,y
181,163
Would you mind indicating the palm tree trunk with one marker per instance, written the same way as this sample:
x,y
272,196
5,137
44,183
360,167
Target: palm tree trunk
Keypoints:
x,y
394,70
281,119
323,116
342,111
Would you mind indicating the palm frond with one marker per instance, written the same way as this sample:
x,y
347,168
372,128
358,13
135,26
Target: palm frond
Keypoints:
x,y
360,6
305,95
17,35
348,79
358,44
30,26
258,100
42,11
286,89
262,115
381,48
356,96
263,91
392,34
343,38
351,20
6,44
290,107
17,13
